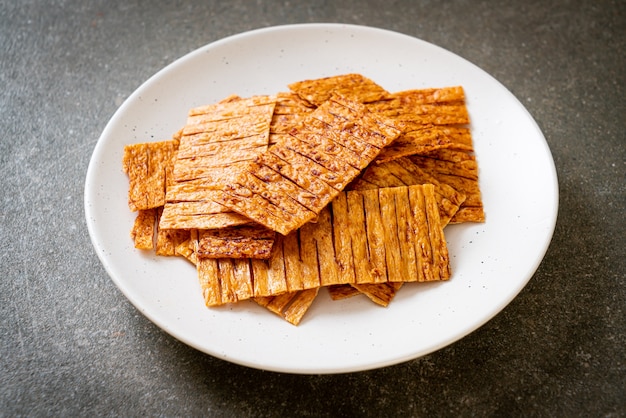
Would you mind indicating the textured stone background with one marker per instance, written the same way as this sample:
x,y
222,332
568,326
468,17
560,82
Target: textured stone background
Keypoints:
x,y
71,344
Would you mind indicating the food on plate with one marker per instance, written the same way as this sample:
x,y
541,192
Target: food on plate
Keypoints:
x,y
349,244
246,241
355,86
459,169
148,166
329,141
334,184
215,143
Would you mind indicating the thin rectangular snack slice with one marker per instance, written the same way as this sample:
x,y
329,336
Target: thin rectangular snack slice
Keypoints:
x,y
354,86
216,142
300,305
249,241
333,268
368,248
449,200
280,274
197,210
370,243
345,134
290,306
431,119
427,139
167,240
416,116
402,255
448,161
361,248
274,165
440,95
443,106
306,171
186,250
320,136
232,284
362,123
144,229
148,165
289,112
324,153
381,294
459,170
235,278
344,258
276,204
411,214
269,276
398,260
404,171
295,267
342,291
419,235
220,154
430,248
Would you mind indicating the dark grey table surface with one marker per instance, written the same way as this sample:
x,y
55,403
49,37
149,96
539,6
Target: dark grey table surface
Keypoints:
x,y
71,344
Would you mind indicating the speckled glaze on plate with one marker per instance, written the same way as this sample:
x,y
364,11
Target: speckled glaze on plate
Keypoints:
x,y
491,262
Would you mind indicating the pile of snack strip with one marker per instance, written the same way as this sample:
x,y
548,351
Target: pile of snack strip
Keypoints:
x,y
334,183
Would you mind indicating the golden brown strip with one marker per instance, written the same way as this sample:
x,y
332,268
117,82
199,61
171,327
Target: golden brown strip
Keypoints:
x,y
342,291
425,140
269,276
452,94
148,165
290,111
404,172
459,170
216,143
167,240
300,305
381,294
414,117
450,162
251,241
431,250
144,229
290,306
354,86
284,205
356,245
186,249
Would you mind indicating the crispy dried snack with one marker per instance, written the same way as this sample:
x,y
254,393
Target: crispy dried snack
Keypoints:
x,y
290,306
186,249
225,280
342,291
148,166
144,229
404,172
453,94
252,241
381,294
349,244
215,143
415,116
289,112
458,169
282,203
427,139
353,86
225,188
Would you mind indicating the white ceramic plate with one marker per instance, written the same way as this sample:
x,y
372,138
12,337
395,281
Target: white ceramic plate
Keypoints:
x,y
491,262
